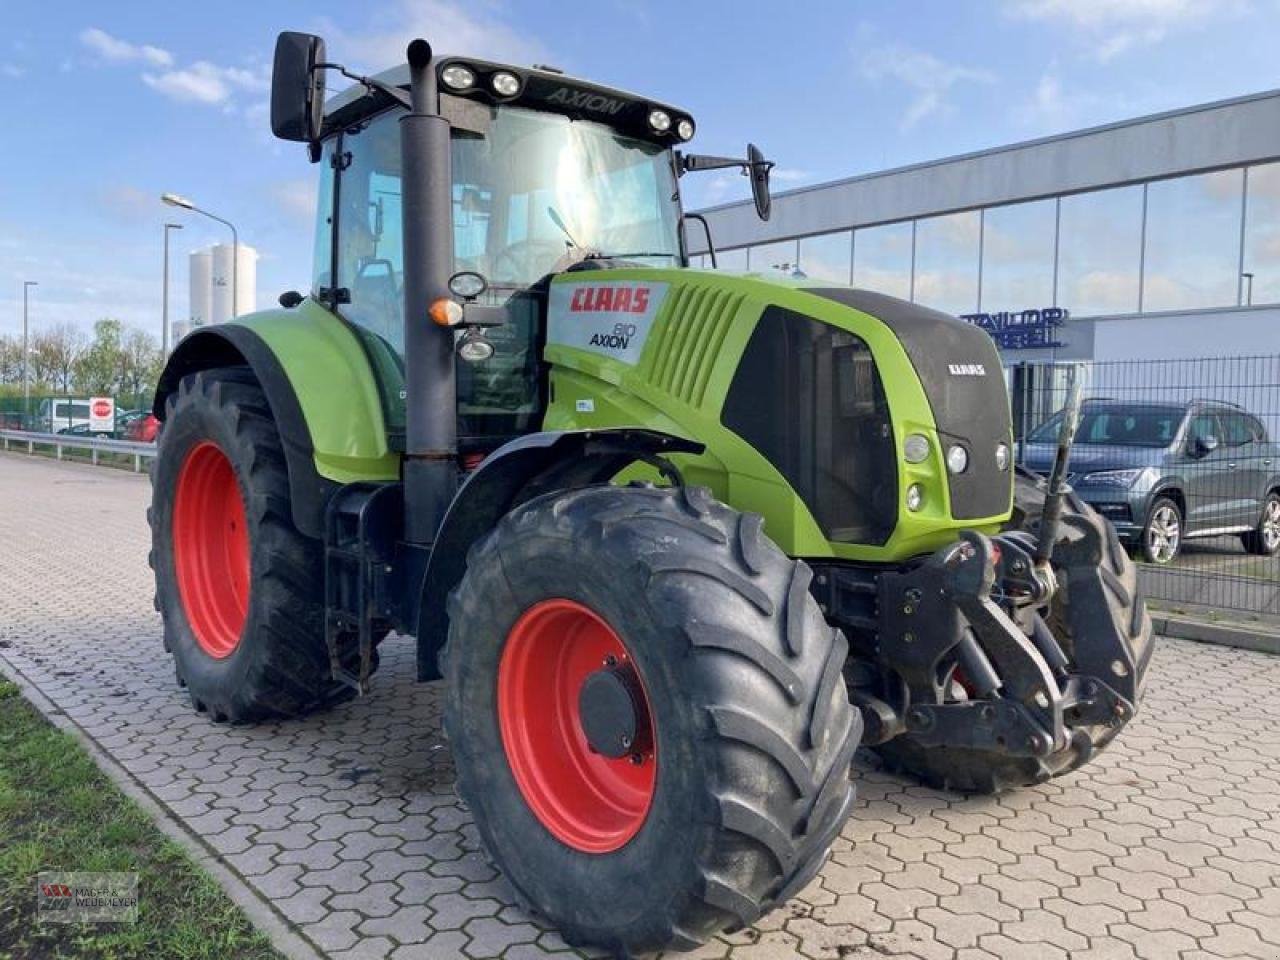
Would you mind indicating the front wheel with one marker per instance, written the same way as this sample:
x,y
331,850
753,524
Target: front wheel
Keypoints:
x,y
1264,539
1162,534
647,714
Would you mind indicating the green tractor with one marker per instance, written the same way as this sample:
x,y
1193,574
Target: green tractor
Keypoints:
x,y
676,541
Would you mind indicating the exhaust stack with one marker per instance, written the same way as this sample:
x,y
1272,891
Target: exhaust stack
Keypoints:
x,y
431,448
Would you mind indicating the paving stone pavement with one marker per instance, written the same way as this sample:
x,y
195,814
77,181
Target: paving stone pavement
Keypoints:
x,y
346,824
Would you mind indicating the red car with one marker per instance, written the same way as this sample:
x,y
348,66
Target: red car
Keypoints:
x,y
142,429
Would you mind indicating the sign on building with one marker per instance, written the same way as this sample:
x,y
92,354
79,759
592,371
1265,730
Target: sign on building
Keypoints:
x,y
1022,330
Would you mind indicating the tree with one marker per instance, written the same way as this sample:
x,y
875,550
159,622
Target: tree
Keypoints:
x,y
10,359
54,352
140,363
97,371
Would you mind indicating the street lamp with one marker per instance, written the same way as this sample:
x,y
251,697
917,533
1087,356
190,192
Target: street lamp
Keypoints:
x,y
174,200
164,309
26,381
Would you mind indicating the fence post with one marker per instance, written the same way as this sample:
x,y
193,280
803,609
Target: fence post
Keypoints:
x,y
95,456
137,463
31,448
57,448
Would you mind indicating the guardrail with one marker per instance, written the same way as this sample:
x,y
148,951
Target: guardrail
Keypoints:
x,y
96,445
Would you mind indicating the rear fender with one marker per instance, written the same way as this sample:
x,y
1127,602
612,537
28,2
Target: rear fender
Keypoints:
x,y
527,467
322,391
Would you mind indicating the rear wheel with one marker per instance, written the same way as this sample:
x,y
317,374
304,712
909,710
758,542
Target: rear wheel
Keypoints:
x,y
647,715
1264,539
239,587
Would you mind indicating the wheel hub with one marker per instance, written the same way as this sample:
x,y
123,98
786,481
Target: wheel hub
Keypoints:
x,y
611,710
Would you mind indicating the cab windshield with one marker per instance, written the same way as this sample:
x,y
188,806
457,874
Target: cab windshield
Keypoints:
x,y
538,192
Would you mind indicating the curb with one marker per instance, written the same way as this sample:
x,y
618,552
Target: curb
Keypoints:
x,y
1262,638
284,937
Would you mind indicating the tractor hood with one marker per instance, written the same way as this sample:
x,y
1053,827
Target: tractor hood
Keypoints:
x,y
824,384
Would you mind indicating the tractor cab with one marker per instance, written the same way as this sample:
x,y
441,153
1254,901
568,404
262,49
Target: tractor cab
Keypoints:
x,y
547,174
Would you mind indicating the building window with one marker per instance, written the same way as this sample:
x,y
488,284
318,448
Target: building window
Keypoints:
x,y
1262,236
1018,247
1100,251
882,259
1193,242
828,257
946,264
773,259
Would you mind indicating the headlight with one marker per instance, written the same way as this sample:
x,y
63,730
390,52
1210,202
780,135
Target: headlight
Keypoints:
x,y
660,120
957,459
915,448
1002,456
915,497
505,84
1112,478
458,77
684,129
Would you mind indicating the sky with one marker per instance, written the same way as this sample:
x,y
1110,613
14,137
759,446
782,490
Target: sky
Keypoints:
x,y
112,104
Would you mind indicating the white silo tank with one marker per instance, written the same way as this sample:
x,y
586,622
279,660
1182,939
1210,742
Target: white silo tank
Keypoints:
x,y
200,267
245,281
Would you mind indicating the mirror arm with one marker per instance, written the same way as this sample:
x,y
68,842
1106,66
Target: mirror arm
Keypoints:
x,y
371,84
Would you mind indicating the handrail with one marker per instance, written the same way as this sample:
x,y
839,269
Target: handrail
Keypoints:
x,y
96,445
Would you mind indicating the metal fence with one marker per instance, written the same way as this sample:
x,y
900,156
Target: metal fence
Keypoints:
x,y
95,449
62,413
1183,456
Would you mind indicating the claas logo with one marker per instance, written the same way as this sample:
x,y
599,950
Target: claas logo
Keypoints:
x,y
609,300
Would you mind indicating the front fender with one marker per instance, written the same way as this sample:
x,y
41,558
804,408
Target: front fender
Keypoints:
x,y
525,468
322,391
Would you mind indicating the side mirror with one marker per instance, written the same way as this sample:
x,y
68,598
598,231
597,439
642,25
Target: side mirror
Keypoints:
x,y
1206,444
297,87
758,170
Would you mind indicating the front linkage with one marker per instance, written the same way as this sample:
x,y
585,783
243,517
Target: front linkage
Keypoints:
x,y
975,673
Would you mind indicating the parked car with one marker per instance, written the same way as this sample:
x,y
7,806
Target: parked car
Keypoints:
x,y
1166,472
141,428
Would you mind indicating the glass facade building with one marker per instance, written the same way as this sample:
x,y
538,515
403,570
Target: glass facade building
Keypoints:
x,y
1197,242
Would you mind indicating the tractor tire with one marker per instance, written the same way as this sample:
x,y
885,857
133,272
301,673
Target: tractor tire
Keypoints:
x,y
707,660
240,589
988,772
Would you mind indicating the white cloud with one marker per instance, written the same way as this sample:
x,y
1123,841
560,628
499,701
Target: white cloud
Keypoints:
x,y
788,175
448,26
12,70
205,82
1114,26
296,198
928,77
121,51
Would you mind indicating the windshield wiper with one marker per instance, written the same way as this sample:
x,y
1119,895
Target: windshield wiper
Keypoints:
x,y
559,222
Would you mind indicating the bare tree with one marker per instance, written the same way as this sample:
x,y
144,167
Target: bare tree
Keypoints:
x,y
54,352
10,359
140,363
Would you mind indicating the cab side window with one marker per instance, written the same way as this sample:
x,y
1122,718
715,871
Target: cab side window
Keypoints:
x,y
370,252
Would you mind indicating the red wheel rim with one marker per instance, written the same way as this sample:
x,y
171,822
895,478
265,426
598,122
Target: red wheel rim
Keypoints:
x,y
587,801
211,549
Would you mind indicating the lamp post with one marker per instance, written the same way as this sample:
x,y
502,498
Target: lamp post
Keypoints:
x,y
174,200
164,308
26,380
1248,300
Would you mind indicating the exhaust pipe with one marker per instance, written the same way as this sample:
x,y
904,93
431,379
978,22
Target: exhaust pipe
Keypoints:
x,y
431,441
